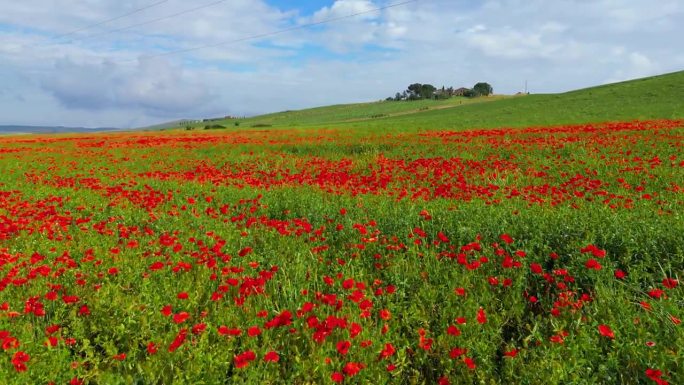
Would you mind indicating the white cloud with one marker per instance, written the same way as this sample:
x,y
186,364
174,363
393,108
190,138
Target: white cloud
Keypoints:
x,y
343,8
509,43
153,85
114,79
635,65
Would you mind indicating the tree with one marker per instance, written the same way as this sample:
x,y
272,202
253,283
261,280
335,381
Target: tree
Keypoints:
x,y
414,91
427,90
482,89
420,91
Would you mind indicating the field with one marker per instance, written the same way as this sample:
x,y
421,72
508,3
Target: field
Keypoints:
x,y
358,252
656,97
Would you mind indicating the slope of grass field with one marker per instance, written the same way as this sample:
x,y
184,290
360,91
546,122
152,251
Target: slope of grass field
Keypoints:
x,y
648,98
362,111
348,113
409,250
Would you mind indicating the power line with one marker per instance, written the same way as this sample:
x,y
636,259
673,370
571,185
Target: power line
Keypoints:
x,y
267,34
153,20
99,23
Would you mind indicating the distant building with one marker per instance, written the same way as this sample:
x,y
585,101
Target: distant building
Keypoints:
x,y
461,91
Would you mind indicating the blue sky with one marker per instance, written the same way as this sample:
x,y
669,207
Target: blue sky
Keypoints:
x,y
305,7
128,78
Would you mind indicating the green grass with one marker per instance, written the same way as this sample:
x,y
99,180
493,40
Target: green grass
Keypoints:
x,y
346,113
647,98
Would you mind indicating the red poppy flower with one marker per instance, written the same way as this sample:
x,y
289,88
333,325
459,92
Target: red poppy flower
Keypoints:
x,y
152,348
481,316
593,264
536,268
166,311
670,283
354,329
271,357
84,311
181,317
178,341
337,377
19,360
656,293
199,328
387,351
69,299
512,353
352,368
594,250
656,375
606,331
51,342
470,363
243,359
343,347
558,338
457,352
226,331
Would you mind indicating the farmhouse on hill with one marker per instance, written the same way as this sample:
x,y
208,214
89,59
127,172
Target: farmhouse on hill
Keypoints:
x,y
460,91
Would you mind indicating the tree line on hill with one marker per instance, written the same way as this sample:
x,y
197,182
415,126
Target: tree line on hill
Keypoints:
x,y
418,91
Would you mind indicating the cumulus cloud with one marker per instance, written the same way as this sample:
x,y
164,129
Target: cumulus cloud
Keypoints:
x,y
153,85
342,8
510,43
635,65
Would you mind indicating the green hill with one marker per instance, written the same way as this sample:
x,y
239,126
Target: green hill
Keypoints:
x,y
648,98
348,113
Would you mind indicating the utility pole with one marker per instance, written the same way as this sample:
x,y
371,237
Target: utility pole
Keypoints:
x,y
526,87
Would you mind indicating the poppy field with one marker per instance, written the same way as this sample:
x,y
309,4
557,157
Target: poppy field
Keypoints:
x,y
538,255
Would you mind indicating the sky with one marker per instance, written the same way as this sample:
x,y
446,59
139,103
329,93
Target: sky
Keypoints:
x,y
131,63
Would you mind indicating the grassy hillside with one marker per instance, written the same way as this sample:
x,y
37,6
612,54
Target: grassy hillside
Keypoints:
x,y
654,97
346,113
648,98
349,113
